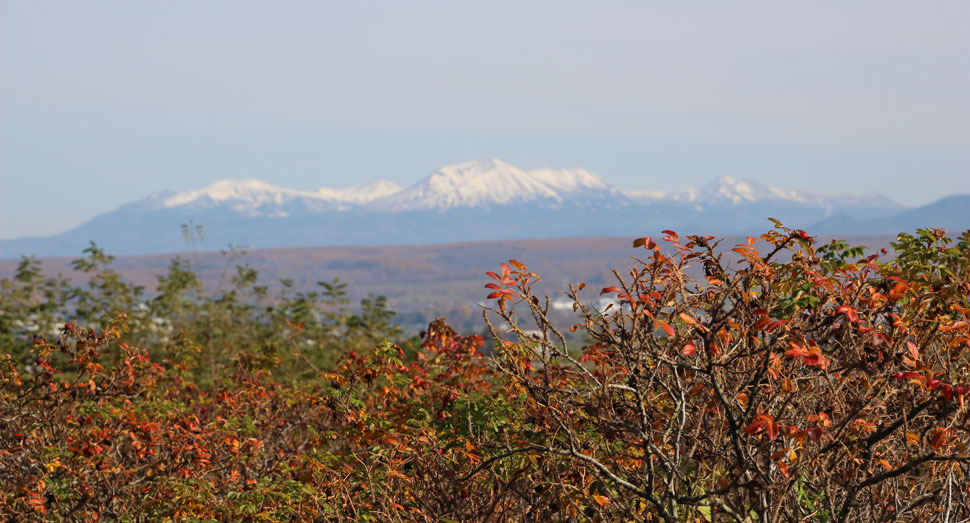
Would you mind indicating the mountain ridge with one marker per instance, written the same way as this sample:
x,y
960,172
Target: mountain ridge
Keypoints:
x,y
473,201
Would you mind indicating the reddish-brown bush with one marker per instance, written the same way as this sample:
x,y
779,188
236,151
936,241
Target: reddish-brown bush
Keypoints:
x,y
819,388
829,386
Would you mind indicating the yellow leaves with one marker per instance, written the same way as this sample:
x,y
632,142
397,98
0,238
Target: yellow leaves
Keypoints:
x,y
469,450
743,399
53,465
230,442
913,439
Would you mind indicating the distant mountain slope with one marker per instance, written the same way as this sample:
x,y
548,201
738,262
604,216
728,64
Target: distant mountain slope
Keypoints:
x,y
951,213
472,201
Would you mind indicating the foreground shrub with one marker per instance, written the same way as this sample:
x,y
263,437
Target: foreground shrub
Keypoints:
x,y
822,388
798,383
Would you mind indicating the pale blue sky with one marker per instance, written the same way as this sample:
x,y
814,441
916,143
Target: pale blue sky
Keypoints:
x,y
104,102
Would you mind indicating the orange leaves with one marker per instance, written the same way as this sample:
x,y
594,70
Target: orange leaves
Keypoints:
x,y
939,437
469,452
900,289
35,499
689,320
810,354
746,251
767,324
233,444
689,349
601,500
913,350
952,326
850,313
505,280
671,236
783,468
666,328
396,474
771,429
912,359
764,421
647,243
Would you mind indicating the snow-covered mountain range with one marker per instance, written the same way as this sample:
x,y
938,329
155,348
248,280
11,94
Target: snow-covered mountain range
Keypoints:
x,y
487,184
477,200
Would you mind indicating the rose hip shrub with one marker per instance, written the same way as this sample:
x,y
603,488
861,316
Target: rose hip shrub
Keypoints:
x,y
781,381
827,386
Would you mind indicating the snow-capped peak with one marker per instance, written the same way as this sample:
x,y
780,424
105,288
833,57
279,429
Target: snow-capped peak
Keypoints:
x,y
728,190
490,182
569,180
249,190
733,190
723,189
361,193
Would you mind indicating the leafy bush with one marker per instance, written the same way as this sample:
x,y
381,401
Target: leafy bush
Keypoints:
x,y
818,388
798,383
202,330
